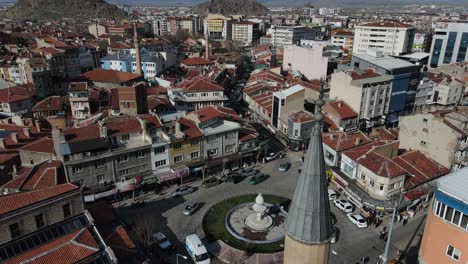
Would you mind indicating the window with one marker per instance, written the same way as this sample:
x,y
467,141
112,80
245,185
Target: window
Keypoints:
x,y
329,155
123,158
231,135
363,176
212,139
195,142
230,148
194,155
101,178
126,104
160,163
39,219
140,154
212,152
66,210
123,172
381,187
178,159
77,169
453,252
391,186
159,150
15,230
423,142
100,163
449,214
371,183
177,146
126,137
425,130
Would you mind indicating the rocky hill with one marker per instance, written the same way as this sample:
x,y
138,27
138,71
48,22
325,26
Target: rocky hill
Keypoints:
x,y
231,7
55,9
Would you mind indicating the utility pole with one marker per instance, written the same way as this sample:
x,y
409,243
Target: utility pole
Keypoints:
x,y
390,228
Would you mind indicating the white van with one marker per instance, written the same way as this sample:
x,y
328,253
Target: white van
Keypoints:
x,y
197,250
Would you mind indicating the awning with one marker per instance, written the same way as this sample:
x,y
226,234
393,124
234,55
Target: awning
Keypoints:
x,y
175,173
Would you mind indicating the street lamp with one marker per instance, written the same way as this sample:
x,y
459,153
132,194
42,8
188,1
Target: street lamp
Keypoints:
x,y
179,255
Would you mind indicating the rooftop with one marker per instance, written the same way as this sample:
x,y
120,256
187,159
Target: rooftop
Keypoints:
x,y
381,165
387,23
455,184
110,76
340,141
385,62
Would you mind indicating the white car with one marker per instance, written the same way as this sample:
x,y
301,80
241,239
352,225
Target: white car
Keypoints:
x,y
271,156
332,195
344,205
358,220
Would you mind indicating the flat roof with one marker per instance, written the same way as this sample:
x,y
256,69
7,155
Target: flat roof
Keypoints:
x,y
290,91
455,184
385,62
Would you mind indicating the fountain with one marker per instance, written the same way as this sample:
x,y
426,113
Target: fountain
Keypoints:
x,y
259,221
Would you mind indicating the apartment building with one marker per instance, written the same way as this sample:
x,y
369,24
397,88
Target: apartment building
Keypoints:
x,y
130,100
299,130
246,32
391,37
160,26
16,100
335,143
80,107
367,92
440,136
449,44
445,233
286,102
288,35
341,114
343,39
187,23
298,58
217,26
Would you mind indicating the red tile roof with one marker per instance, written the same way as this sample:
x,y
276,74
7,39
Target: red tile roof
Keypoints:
x,y
391,24
341,108
189,128
7,156
340,32
43,145
15,94
340,141
82,133
52,103
78,87
69,249
15,201
301,117
381,165
120,125
421,168
211,112
199,84
364,74
196,61
121,243
110,76
152,121
41,176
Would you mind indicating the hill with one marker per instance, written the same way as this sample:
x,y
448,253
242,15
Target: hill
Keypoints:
x,y
55,9
231,7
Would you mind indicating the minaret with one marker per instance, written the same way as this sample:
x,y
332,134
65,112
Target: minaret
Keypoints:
x,y
207,48
136,43
308,227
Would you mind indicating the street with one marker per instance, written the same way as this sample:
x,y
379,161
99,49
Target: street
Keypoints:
x,y
352,244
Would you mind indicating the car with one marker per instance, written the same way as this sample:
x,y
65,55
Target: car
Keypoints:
x,y
231,177
191,208
248,172
161,240
334,235
210,182
344,205
284,166
182,190
358,220
258,178
271,156
332,195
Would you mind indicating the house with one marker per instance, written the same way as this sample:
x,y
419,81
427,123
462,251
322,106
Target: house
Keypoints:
x,y
17,100
197,63
129,100
342,115
299,130
110,78
334,143
50,106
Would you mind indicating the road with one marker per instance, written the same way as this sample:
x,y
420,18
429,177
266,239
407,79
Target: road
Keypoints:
x,y
352,244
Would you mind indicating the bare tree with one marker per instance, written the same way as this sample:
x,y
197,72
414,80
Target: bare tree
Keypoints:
x,y
146,224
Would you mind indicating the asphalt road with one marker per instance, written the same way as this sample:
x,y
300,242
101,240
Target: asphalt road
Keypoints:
x,y
353,243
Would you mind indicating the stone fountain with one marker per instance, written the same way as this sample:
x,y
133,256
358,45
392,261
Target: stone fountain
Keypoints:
x,y
259,221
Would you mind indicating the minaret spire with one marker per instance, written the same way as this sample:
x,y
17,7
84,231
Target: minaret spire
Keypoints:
x,y
308,227
136,43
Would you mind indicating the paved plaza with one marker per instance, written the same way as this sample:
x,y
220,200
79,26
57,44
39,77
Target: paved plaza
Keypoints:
x,y
353,243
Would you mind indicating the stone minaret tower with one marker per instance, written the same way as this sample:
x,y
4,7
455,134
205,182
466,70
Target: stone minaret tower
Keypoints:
x,y
207,48
136,43
308,227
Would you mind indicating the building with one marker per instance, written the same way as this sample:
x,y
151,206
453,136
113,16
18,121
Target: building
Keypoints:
x,y
342,115
130,100
391,37
246,32
343,39
17,100
187,24
288,35
160,26
108,79
335,143
445,232
217,26
308,227
80,107
367,92
297,58
286,102
449,45
196,93
97,30
405,77
299,126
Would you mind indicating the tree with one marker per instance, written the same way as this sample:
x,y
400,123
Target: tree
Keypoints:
x,y
144,226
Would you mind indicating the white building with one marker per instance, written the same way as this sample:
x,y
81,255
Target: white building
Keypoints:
x,y
288,35
160,26
449,44
246,32
308,60
393,38
366,91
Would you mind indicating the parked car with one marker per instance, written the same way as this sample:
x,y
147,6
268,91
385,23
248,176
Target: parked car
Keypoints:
x,y
334,235
231,177
284,166
182,190
358,220
161,240
258,178
332,195
344,205
191,208
271,156
248,172
210,182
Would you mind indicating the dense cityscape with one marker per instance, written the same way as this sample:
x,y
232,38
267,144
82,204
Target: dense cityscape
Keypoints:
x,y
233,132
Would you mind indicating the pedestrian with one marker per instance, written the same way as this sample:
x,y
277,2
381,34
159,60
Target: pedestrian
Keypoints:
x,y
405,219
398,217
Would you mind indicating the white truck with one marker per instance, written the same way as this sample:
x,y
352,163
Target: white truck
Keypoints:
x,y
197,250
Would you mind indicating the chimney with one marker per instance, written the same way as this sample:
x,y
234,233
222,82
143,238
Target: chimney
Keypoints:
x,y
2,143
358,141
340,104
14,137
26,131
102,131
37,125
177,128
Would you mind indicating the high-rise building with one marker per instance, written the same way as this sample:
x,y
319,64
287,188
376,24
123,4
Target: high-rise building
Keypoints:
x,y
449,44
392,37
246,32
288,35
217,26
160,26
446,231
